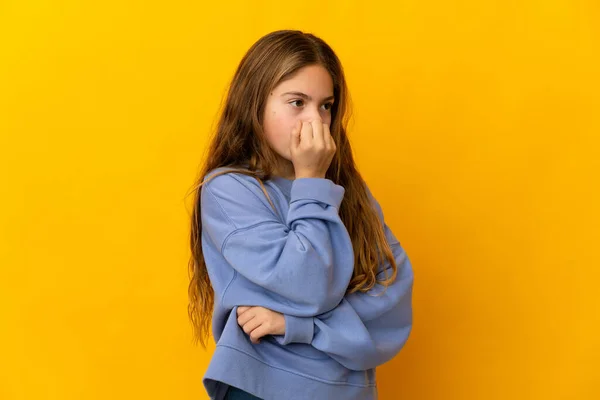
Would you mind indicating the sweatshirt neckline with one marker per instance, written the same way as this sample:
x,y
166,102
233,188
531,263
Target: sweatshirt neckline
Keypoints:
x,y
284,183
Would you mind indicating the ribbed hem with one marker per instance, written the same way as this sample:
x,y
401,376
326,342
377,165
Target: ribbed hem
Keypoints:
x,y
241,370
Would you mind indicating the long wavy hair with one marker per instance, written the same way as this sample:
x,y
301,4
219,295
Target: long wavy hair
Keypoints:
x,y
240,145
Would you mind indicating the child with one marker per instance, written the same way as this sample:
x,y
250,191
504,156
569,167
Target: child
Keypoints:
x,y
307,287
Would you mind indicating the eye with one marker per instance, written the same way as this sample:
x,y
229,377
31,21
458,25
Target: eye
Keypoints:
x,y
295,103
327,106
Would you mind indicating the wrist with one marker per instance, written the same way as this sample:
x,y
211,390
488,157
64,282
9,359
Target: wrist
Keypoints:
x,y
281,326
297,330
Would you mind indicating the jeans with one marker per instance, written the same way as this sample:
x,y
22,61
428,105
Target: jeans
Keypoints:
x,y
234,393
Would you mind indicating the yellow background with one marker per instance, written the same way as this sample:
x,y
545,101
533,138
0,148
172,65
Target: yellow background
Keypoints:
x,y
476,125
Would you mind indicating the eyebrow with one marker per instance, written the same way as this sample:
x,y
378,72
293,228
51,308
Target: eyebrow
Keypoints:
x,y
305,96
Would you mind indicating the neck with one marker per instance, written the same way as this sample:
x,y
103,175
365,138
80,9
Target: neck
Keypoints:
x,y
285,169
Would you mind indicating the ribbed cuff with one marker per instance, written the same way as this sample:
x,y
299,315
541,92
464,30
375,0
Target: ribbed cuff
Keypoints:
x,y
319,189
297,330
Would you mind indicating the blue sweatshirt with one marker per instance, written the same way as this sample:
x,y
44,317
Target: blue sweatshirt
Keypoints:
x,y
297,261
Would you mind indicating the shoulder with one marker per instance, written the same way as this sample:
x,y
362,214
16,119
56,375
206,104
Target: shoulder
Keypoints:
x,y
233,193
227,181
224,179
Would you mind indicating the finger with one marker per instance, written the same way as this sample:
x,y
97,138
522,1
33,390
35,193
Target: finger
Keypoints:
x,y
306,134
258,333
327,138
245,317
251,325
242,309
317,128
295,134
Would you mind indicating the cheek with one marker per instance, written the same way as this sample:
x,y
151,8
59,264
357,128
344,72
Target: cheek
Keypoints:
x,y
280,125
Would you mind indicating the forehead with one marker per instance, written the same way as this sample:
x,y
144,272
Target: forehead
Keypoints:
x,y
313,80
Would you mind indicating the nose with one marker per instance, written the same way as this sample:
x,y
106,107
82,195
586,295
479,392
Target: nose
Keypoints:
x,y
312,113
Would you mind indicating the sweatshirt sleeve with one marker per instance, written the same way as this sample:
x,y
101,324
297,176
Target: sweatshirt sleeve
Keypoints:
x,y
292,257
366,329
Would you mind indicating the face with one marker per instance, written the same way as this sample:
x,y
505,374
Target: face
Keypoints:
x,y
306,96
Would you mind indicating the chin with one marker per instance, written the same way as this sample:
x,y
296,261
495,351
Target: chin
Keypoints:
x,y
286,155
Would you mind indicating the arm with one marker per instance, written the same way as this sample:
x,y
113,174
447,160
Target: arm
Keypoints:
x,y
293,261
364,330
